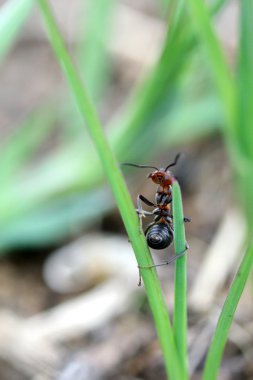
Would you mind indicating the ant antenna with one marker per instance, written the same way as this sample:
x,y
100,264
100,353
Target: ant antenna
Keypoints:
x,y
174,162
138,166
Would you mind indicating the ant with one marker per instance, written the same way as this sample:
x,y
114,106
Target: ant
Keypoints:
x,y
159,233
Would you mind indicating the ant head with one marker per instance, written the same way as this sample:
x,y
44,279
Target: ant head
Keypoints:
x,y
161,177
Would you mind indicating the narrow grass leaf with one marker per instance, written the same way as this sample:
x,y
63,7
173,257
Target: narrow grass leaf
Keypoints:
x,y
92,57
245,79
180,299
244,123
58,218
217,346
217,62
154,98
23,143
122,197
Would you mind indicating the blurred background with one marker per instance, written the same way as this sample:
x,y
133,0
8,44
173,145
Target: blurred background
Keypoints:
x,y
70,305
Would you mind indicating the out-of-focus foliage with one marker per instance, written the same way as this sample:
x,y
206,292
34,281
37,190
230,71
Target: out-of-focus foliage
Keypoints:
x,y
235,91
220,337
176,102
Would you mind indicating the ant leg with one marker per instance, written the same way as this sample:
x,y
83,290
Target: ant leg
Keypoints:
x,y
140,211
169,261
139,283
186,219
146,213
146,201
180,254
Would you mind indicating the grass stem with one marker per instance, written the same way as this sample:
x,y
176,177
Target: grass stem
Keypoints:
x,y
122,197
180,300
217,346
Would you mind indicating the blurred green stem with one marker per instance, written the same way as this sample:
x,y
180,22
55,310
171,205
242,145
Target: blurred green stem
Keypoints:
x,y
217,346
218,64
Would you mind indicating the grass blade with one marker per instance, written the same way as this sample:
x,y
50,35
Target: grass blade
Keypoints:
x,y
156,96
217,62
216,5
57,218
93,56
122,197
226,317
180,303
23,143
244,83
12,16
245,78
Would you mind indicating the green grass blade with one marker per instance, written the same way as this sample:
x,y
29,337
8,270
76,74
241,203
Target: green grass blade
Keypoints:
x,y
93,55
122,197
245,79
158,93
154,97
49,224
216,5
216,349
12,16
244,83
23,143
217,62
180,302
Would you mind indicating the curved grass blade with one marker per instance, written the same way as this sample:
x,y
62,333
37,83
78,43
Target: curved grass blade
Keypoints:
x,y
122,197
180,303
216,349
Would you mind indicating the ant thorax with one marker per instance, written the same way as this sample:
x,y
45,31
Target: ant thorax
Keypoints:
x,y
163,196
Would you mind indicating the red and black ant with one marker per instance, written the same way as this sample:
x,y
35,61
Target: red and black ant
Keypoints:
x,y
159,233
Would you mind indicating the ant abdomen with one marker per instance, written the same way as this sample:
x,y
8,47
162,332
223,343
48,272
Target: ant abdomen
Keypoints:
x,y
159,236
